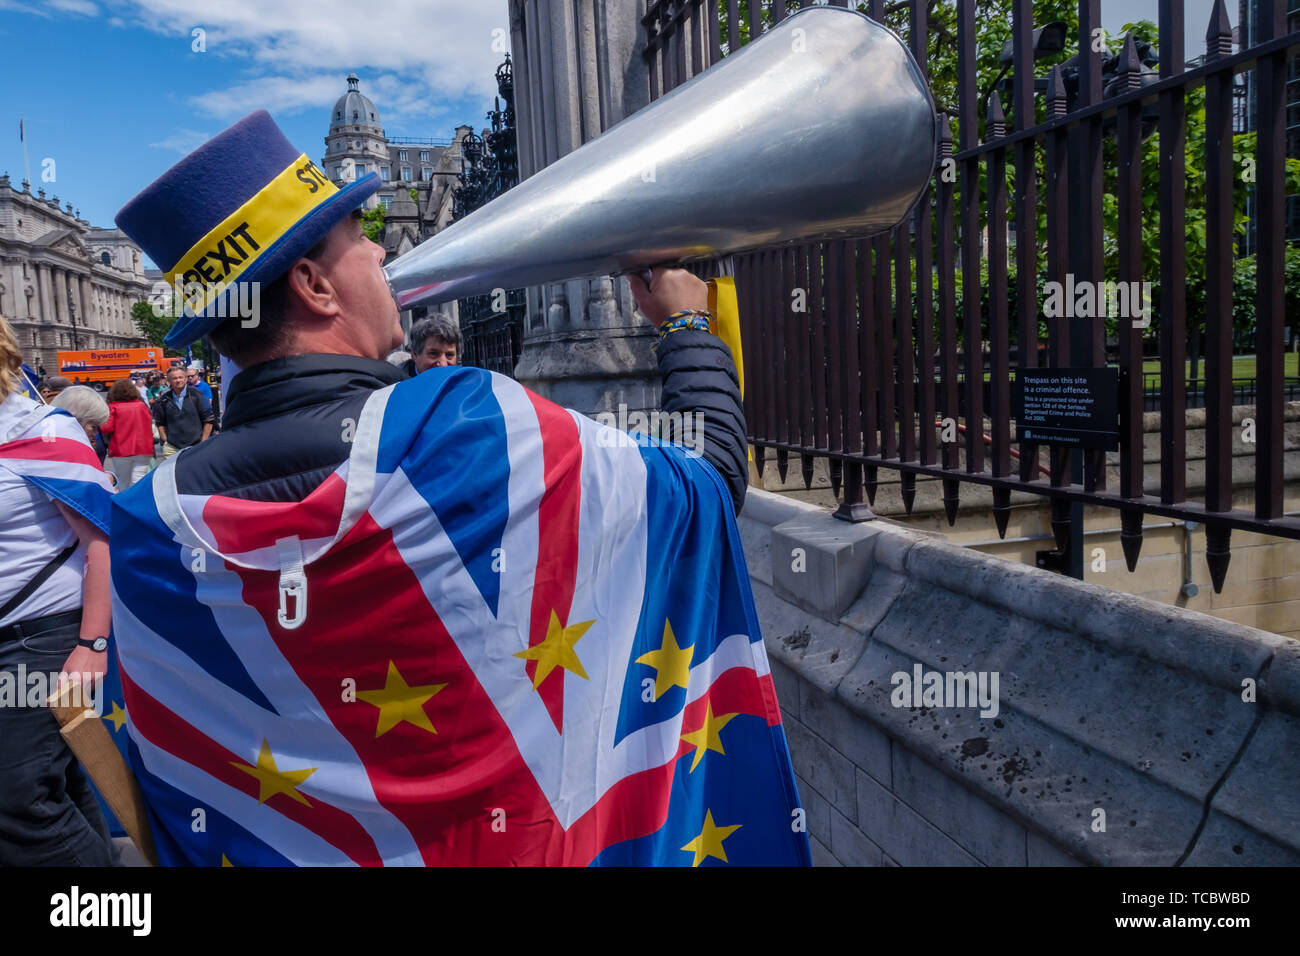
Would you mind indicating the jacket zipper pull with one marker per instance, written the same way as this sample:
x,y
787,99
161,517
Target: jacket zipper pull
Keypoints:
x,y
293,583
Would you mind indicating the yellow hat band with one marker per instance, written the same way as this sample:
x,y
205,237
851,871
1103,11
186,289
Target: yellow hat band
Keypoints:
x,y
217,260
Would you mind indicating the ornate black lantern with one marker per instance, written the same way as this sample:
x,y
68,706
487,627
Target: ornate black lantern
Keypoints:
x,y
506,80
472,149
492,325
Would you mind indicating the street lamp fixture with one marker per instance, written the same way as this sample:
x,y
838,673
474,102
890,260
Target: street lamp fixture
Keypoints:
x,y
1048,39
72,314
472,147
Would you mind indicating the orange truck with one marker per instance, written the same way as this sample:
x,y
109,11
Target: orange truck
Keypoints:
x,y
100,368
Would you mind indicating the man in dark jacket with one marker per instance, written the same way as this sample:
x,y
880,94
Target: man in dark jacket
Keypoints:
x,y
327,319
328,460
183,416
281,435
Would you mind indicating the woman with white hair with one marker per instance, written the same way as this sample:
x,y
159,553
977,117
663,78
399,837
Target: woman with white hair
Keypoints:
x,y
90,411
54,616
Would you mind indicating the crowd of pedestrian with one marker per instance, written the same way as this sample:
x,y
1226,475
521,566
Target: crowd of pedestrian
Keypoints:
x,y
150,416
146,418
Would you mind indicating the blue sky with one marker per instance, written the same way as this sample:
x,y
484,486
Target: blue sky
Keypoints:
x,y
114,93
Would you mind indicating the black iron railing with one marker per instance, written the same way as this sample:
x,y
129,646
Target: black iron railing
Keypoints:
x,y
814,378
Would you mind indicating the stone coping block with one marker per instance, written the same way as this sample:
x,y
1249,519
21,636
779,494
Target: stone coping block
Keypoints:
x,y
1257,804
819,651
820,567
1176,730
770,509
1216,651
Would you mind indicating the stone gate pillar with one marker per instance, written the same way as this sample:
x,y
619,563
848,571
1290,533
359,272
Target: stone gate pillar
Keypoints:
x,y
579,70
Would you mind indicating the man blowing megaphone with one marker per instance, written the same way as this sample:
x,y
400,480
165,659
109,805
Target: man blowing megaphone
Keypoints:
x,y
435,620
443,620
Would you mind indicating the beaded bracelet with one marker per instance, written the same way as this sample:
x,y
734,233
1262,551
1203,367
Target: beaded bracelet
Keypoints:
x,y
697,319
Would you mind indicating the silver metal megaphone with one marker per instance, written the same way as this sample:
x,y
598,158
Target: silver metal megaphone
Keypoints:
x,y
822,128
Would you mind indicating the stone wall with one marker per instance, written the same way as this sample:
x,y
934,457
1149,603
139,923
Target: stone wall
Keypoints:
x,y
1263,585
1127,732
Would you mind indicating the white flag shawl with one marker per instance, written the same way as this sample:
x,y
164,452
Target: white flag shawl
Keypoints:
x,y
48,448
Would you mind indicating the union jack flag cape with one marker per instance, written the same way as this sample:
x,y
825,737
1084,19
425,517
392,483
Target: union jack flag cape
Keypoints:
x,y
499,633
48,448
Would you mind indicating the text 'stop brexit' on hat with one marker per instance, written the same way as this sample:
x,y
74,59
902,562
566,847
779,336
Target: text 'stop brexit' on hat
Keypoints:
x,y
240,209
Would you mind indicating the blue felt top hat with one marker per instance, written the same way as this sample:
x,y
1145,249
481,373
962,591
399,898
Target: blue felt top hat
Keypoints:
x,y
242,208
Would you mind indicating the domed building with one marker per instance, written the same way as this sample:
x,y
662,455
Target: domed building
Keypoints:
x,y
357,144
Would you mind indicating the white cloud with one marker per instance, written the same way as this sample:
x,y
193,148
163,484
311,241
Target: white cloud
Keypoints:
x,y
48,7
279,94
16,7
82,7
183,141
420,52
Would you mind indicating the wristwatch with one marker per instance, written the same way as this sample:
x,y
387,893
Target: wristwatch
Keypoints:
x,y
94,643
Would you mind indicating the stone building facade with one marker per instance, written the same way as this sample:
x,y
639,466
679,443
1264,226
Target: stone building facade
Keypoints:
x,y
65,284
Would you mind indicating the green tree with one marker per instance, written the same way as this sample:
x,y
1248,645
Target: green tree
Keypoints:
x,y
993,23
992,29
1243,295
154,324
372,222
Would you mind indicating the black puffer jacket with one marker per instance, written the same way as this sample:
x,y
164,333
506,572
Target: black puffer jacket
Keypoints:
x,y
281,433
699,377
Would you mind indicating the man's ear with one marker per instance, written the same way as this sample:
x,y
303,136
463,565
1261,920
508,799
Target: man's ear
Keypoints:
x,y
311,285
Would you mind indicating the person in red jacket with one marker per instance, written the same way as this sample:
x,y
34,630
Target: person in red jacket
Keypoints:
x,y
130,435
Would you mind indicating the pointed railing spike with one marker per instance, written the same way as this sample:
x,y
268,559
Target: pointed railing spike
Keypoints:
x,y
1061,523
1217,553
997,120
1056,96
782,463
872,475
806,469
1218,35
837,474
1130,536
759,458
1001,509
951,499
1130,65
908,490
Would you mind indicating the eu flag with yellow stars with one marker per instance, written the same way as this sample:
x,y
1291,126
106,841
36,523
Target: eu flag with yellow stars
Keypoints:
x,y
499,633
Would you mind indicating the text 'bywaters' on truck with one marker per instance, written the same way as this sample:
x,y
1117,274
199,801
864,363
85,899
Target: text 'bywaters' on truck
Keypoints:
x,y
100,368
